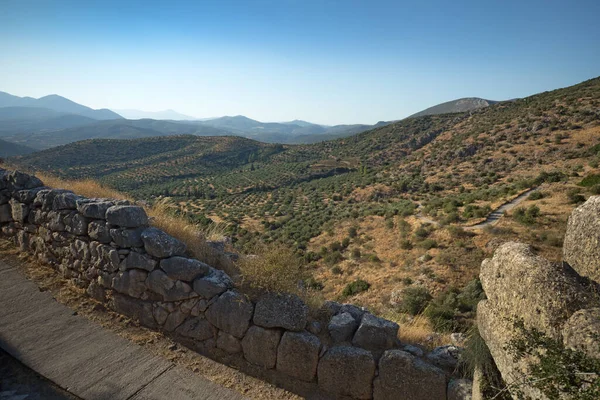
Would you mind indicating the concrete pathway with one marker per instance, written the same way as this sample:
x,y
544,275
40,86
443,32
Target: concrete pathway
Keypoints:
x,y
495,215
84,358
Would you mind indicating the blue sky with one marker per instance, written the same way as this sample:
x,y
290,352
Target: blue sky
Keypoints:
x,y
324,61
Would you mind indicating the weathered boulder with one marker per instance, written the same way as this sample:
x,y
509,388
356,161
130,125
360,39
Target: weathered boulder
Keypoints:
x,y
138,261
174,320
96,291
231,312
298,355
134,308
27,196
170,290
45,198
521,285
161,245
213,283
582,330
342,327
286,311
97,230
184,269
355,311
94,209
403,376
347,371
375,333
19,211
132,283
581,247
260,346
5,213
65,201
228,343
197,328
445,357
76,224
127,216
460,389
127,237
20,180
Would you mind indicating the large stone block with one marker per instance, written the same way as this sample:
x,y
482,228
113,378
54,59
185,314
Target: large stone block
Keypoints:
x,y
197,328
19,211
281,311
229,343
298,355
342,327
98,230
170,290
184,269
94,209
260,346
347,371
132,283
5,213
20,180
27,196
213,284
127,216
127,237
65,201
138,261
76,224
231,312
159,244
403,376
375,333
134,308
581,248
582,330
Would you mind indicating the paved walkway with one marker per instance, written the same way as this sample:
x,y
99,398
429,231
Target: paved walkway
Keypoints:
x,y
84,358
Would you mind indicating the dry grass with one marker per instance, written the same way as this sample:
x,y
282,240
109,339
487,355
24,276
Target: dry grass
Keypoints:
x,y
84,187
416,330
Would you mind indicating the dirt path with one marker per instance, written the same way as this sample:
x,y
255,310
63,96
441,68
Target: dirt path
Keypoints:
x,y
499,212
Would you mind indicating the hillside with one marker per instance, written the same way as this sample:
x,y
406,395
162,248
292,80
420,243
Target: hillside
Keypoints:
x,y
56,103
391,206
166,114
8,149
456,106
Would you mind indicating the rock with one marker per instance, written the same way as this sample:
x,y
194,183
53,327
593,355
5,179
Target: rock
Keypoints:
x,y
314,327
5,213
138,261
20,180
55,221
161,245
45,198
27,196
298,355
19,211
414,350
170,290
76,224
174,320
184,269
281,311
137,309
127,216
65,201
97,230
132,283
460,389
231,312
515,267
197,328
355,311
91,209
160,315
477,393
582,330
375,333
330,308
458,338
230,344
347,371
127,237
260,346
213,284
96,292
445,357
581,247
401,375
342,327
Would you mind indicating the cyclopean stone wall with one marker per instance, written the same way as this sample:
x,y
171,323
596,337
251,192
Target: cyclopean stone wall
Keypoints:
x,y
559,299
109,248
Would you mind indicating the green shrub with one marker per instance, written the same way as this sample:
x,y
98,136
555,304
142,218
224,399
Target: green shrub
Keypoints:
x,y
406,244
415,300
526,216
590,180
575,197
537,195
358,286
428,244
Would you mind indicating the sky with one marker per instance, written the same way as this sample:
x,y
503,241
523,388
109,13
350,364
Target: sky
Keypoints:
x,y
328,62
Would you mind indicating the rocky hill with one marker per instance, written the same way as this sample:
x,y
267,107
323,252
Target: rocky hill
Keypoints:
x,y
456,106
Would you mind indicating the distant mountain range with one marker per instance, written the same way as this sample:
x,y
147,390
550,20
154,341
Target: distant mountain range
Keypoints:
x,y
455,106
166,114
56,103
8,149
54,120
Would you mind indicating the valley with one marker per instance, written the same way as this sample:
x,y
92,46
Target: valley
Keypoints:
x,y
355,209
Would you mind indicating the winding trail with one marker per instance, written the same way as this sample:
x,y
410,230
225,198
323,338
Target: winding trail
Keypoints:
x,y
495,215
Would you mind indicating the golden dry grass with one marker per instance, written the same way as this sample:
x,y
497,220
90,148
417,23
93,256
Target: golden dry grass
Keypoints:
x,y
84,187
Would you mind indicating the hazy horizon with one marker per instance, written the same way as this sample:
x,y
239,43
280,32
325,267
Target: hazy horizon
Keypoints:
x,y
285,60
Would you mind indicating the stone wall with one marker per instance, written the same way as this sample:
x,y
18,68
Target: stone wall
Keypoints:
x,y
559,299
109,248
